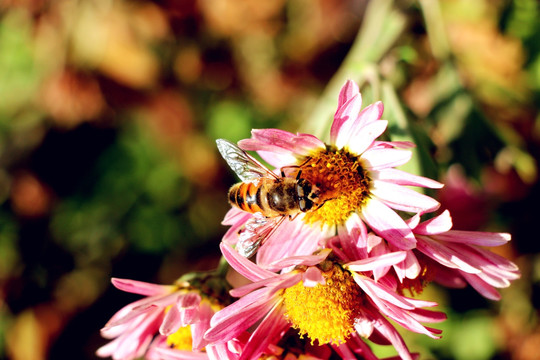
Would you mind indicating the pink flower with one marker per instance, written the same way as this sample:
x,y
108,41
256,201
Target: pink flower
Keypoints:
x,y
321,298
353,174
464,256
450,257
165,310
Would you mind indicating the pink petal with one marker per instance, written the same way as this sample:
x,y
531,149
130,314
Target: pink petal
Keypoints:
x,y
499,261
348,91
247,288
474,237
379,249
277,282
400,177
281,141
189,307
139,308
141,288
175,354
389,332
290,238
394,144
374,262
423,315
312,277
270,327
305,260
232,235
354,239
481,286
445,255
344,120
171,322
402,198
436,225
370,114
378,159
244,266
360,140
387,224
199,328
378,293
239,316
233,216
278,159
409,268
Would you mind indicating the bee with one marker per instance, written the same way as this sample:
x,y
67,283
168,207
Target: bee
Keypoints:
x,y
270,197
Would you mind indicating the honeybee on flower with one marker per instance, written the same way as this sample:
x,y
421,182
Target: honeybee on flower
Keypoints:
x,y
271,197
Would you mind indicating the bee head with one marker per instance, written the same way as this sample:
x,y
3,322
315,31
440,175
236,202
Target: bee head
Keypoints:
x,y
307,194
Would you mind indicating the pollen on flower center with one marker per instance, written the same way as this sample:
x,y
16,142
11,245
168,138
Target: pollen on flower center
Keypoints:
x,y
181,339
326,313
343,184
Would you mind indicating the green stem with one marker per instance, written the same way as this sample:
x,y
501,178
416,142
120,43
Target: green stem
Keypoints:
x,y
381,27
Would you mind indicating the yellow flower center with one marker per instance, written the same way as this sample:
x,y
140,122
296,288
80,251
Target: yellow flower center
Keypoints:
x,y
326,313
181,339
343,184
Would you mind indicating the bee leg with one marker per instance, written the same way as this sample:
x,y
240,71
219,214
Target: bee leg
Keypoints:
x,y
321,204
291,218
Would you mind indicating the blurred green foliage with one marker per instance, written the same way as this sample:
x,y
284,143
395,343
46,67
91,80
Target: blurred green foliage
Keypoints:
x,y
109,112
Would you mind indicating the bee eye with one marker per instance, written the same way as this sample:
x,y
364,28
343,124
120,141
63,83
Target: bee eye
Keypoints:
x,y
305,205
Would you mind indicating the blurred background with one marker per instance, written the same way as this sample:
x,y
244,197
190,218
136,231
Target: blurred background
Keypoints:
x,y
109,111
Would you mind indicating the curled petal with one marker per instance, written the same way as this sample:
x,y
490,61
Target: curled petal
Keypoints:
x,y
313,276
141,288
436,225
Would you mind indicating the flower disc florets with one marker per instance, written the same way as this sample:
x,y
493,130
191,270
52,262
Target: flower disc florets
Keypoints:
x,y
342,181
326,313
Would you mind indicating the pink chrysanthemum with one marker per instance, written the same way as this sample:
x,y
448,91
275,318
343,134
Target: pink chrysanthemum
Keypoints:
x,y
461,255
179,316
450,257
354,174
323,299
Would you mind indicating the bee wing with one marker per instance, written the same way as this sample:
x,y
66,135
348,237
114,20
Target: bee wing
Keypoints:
x,y
244,165
255,232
